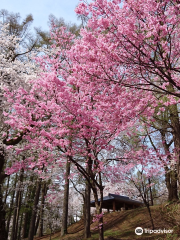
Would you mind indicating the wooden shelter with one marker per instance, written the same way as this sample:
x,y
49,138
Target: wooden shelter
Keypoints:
x,y
117,202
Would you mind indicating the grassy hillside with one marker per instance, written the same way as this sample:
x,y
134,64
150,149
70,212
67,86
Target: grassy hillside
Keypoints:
x,y
121,225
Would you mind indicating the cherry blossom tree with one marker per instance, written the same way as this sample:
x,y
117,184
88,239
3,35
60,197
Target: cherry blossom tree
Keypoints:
x,y
97,86
58,114
14,71
137,167
135,44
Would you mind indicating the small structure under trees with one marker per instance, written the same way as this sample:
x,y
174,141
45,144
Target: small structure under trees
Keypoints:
x,y
117,202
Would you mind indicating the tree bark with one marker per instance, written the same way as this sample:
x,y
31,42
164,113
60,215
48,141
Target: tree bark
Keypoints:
x,y
98,205
44,190
149,211
87,216
34,212
150,190
16,210
11,204
3,231
65,201
7,188
20,227
174,118
174,187
170,174
25,222
30,194
37,224
168,184
171,184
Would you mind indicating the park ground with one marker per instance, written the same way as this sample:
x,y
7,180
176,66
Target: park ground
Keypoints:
x,y
121,225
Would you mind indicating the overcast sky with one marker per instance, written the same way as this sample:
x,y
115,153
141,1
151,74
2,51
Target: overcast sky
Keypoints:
x,y
41,9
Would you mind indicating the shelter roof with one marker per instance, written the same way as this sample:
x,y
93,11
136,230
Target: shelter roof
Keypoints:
x,y
119,199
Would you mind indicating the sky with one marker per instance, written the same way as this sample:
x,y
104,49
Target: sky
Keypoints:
x,y
41,9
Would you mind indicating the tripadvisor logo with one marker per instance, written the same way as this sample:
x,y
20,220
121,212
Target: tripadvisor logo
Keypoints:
x,y
139,231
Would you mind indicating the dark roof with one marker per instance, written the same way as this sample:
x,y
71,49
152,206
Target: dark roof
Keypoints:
x,y
118,199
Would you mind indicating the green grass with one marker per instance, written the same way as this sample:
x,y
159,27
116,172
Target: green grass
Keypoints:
x,y
121,225
111,233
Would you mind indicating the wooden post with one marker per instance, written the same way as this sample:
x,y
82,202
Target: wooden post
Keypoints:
x,y
108,210
114,206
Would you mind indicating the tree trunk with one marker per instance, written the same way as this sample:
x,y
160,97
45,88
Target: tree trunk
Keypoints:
x,y
150,190
174,192
100,220
3,231
30,194
34,212
98,205
87,215
16,210
149,211
168,184
7,188
65,201
170,174
174,118
37,224
20,227
44,190
25,222
146,202
11,205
